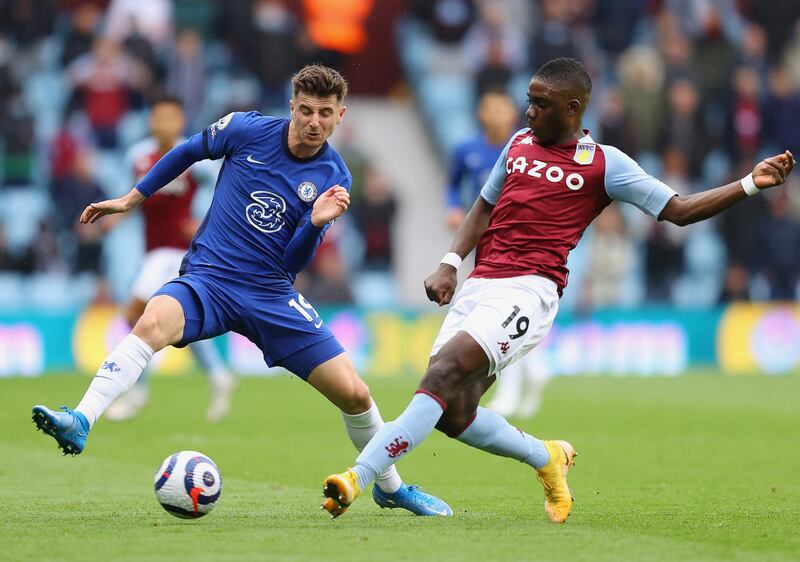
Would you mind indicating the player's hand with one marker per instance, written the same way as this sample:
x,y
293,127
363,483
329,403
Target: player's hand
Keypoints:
x,y
441,285
111,207
773,171
330,205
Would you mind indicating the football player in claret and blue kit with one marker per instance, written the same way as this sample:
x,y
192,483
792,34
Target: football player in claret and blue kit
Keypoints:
x,y
280,188
549,183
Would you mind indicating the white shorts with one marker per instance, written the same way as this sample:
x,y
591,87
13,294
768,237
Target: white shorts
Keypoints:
x,y
160,266
507,317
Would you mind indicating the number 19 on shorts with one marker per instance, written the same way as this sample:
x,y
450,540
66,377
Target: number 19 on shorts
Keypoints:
x,y
304,307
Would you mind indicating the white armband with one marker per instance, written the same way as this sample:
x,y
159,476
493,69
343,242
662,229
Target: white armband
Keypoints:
x,y
452,258
749,185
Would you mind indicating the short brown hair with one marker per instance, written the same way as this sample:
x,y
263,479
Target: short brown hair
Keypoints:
x,y
319,81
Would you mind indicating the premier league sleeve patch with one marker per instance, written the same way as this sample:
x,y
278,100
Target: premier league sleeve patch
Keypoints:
x,y
307,191
584,153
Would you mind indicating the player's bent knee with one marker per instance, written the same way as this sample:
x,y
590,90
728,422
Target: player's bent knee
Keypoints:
x,y
445,378
150,330
453,424
357,401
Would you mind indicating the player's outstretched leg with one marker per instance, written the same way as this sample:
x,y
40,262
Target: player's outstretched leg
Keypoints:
x,y
488,431
161,325
389,490
460,364
114,377
131,404
338,381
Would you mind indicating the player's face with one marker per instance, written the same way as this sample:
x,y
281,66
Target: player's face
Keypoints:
x,y
315,118
167,122
496,112
549,113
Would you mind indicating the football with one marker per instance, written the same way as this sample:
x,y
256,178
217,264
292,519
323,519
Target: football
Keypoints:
x,y
188,484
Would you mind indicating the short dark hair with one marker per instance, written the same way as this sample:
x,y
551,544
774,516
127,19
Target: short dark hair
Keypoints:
x,y
167,100
566,72
319,81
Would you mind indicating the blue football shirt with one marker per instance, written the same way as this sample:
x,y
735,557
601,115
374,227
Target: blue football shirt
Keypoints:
x,y
471,164
263,195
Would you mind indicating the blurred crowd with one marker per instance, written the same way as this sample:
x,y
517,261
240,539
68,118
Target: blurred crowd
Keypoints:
x,y
76,81
695,90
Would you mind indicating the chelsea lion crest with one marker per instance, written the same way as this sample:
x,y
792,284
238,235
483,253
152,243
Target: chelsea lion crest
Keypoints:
x,y
307,191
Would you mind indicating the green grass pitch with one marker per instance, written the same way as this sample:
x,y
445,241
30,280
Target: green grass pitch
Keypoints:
x,y
702,467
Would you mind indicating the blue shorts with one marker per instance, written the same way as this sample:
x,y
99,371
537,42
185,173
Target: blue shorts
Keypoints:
x,y
283,325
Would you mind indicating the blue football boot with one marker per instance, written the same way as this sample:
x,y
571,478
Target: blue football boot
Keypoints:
x,y
68,428
412,499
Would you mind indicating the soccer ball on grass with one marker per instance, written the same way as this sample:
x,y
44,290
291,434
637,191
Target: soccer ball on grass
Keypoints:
x,y
188,484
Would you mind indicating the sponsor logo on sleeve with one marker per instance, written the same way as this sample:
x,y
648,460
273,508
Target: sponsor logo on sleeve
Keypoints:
x,y
220,125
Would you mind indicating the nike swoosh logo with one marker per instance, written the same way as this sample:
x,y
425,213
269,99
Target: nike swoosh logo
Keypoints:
x,y
254,161
317,325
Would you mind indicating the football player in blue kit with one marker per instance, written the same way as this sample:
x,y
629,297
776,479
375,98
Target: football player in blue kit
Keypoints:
x,y
280,188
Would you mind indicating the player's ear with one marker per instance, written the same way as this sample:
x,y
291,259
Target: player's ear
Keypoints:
x,y
341,114
574,106
291,105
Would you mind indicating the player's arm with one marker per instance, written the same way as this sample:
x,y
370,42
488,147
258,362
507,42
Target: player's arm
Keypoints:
x,y
210,144
441,284
169,167
328,207
770,172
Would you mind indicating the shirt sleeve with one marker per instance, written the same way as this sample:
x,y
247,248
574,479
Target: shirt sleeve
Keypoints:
x,y
497,177
626,181
223,137
307,238
219,139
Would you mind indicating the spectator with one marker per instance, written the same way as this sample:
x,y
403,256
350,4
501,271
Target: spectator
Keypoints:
x,y
103,80
374,219
17,127
615,126
685,127
641,75
474,158
10,262
44,255
449,20
274,51
84,22
151,19
186,73
72,192
778,243
611,260
554,36
736,283
27,21
337,28
663,262
782,111
495,40
745,120
327,282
